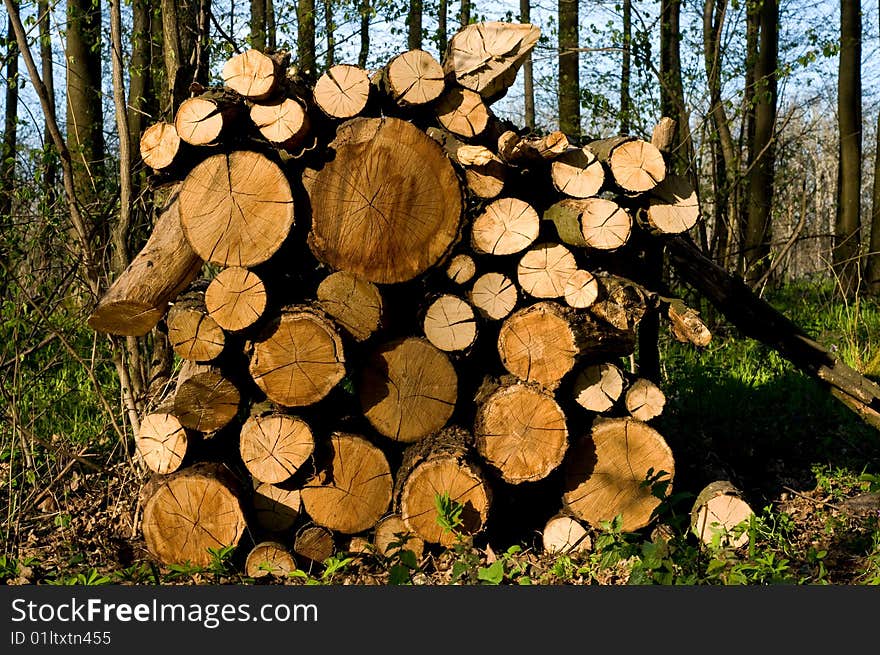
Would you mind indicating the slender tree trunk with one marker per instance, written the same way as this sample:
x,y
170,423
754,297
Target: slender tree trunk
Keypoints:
x,y
872,276
761,150
747,135
442,15
50,161
10,128
525,16
569,70
258,24
184,40
305,45
329,33
85,122
464,15
140,69
847,243
625,102
271,26
672,90
414,25
366,13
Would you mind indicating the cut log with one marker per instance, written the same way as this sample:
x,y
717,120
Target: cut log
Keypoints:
x,y
606,473
274,446
520,432
269,558
161,441
636,166
644,400
485,174
191,511
673,206
392,218
442,464
193,334
461,268
276,509
413,78
354,303
494,295
686,324
298,358
462,112
408,389
598,387
577,173
544,270
139,297
485,57
663,134
314,543
342,91
392,535
253,74
590,222
515,149
450,323
236,298
205,400
284,123
581,289
505,226
622,303
718,509
201,120
564,535
236,209
352,489
541,343
160,145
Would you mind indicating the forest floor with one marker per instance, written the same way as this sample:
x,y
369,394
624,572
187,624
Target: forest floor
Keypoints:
x,y
808,467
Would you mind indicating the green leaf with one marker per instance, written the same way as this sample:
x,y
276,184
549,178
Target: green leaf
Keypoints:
x,y
492,574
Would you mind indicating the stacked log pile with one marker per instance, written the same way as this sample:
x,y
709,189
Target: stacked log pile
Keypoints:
x,y
379,292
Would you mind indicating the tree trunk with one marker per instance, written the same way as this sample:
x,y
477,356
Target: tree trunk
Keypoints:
x,y
569,69
442,29
271,28
50,174
414,25
464,14
258,24
625,100
525,16
305,43
872,276
671,89
181,43
847,240
329,34
366,11
8,154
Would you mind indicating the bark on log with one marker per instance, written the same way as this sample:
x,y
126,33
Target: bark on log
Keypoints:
x,y
621,303
353,302
590,223
717,510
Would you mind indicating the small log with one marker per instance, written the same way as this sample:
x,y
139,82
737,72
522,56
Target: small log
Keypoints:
x,y
276,509
717,510
462,112
139,297
515,149
190,511
581,289
360,545
162,441
450,323
598,387
504,227
442,464
354,303
461,268
485,57
408,389
254,74
644,400
205,400
363,223
663,135
352,489
274,446
392,536
622,303
606,471
269,558
590,222
673,207
520,432
636,166
298,357
236,209
577,173
686,324
284,123
160,145
342,91
484,173
201,120
413,78
236,298
193,334
541,343
315,543
494,295
544,270
564,535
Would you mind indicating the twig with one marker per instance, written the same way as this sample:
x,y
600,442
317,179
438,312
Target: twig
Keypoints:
x,y
812,500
